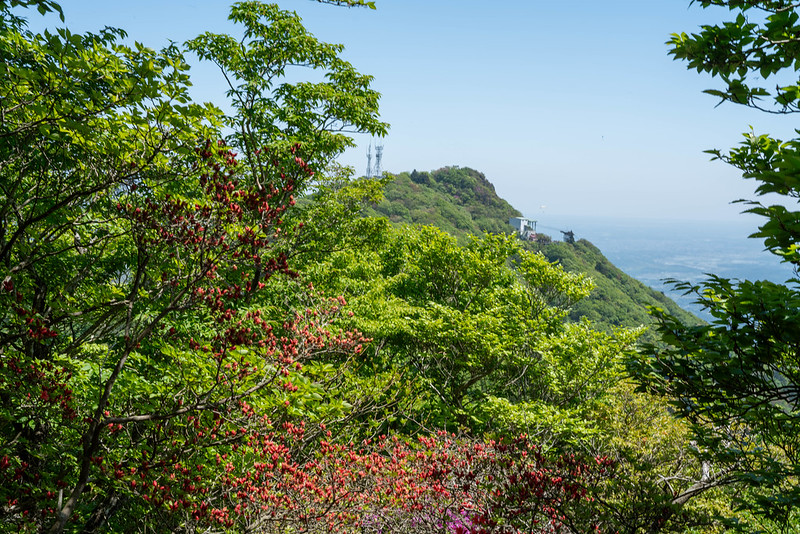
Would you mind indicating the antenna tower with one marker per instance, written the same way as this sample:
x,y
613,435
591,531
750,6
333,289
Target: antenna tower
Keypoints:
x,y
378,156
369,160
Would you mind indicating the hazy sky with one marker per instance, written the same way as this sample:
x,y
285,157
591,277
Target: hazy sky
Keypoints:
x,y
568,107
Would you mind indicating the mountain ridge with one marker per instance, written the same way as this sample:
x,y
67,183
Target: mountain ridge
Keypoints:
x,y
461,201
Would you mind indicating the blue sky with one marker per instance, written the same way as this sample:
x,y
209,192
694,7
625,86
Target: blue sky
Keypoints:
x,y
569,108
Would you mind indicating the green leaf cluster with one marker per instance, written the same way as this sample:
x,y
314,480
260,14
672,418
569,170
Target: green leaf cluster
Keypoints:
x,y
273,114
478,330
736,380
139,257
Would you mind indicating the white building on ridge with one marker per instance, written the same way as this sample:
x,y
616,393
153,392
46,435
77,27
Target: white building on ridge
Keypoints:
x,y
526,228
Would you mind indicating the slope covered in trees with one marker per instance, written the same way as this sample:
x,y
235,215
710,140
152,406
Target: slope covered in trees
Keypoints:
x,y
459,200
462,202
617,298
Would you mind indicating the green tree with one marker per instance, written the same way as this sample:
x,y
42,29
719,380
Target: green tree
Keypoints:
x,y
272,114
476,331
475,338
138,261
737,380
460,201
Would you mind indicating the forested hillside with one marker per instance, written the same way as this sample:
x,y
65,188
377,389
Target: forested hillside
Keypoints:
x,y
617,298
462,202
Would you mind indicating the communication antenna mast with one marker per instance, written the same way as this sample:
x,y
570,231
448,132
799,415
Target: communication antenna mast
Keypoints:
x,y
369,160
378,156
569,236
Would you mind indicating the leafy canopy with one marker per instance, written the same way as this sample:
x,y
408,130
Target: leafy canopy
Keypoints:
x,y
737,380
139,259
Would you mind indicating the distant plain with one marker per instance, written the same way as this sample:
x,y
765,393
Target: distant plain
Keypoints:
x,y
655,250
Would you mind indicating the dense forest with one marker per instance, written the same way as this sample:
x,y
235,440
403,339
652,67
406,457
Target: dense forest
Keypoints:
x,y
206,326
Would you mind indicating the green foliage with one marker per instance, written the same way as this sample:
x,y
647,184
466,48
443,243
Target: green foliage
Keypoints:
x,y
167,351
573,395
461,202
148,314
71,148
349,3
662,486
577,367
272,114
476,337
476,331
458,200
617,300
737,379
760,42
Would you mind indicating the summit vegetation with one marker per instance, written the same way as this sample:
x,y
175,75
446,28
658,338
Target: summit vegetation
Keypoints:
x,y
460,201
201,331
